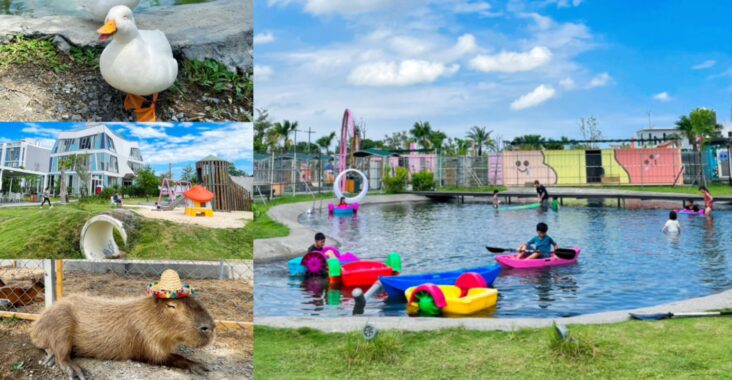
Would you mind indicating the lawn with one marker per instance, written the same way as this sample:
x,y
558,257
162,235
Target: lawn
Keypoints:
x,y
692,348
715,189
264,227
472,189
31,232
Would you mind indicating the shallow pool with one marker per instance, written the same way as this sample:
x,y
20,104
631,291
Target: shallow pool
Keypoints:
x,y
40,8
626,260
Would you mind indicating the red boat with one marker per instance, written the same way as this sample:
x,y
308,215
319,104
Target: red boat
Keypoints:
x,y
362,273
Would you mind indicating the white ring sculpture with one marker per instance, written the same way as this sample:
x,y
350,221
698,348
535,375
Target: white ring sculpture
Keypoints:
x,y
97,237
357,198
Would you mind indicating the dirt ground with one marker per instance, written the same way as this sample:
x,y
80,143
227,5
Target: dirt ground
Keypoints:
x,y
232,219
34,93
229,357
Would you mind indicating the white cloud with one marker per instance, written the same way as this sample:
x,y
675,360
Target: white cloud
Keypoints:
x,y
465,45
566,3
704,65
542,22
600,80
263,38
511,62
662,97
38,129
409,45
567,83
476,7
341,7
262,72
539,95
146,132
228,141
403,73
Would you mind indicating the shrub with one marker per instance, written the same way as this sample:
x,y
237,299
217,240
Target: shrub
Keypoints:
x,y
396,183
423,181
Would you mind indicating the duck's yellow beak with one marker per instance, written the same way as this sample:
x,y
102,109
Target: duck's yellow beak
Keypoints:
x,y
108,29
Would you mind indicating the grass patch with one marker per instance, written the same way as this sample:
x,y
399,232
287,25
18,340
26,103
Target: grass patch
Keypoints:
x,y
682,348
32,232
474,189
31,51
715,189
215,75
265,227
87,56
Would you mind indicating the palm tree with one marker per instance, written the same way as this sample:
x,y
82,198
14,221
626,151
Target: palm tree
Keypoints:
x,y
326,141
421,132
686,129
480,138
437,139
528,142
700,125
283,130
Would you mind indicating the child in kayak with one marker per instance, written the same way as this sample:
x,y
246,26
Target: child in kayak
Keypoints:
x,y
672,225
541,245
708,200
496,201
319,243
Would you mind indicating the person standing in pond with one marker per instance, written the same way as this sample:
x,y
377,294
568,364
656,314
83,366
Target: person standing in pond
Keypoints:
x,y
46,198
672,225
542,195
708,200
496,201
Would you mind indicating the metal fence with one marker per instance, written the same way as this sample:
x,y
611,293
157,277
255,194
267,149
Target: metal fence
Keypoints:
x,y
284,174
29,286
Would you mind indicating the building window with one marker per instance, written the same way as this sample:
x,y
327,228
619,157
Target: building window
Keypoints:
x,y
110,144
85,143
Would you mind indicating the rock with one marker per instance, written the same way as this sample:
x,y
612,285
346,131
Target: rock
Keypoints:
x,y
76,118
222,30
61,44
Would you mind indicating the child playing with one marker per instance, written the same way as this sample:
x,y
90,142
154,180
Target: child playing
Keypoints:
x,y
496,201
540,244
708,200
689,205
672,225
342,202
319,243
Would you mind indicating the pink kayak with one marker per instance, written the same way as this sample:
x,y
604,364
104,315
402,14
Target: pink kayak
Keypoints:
x,y
565,256
692,212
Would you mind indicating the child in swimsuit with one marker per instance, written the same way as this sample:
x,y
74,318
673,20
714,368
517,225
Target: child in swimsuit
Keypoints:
x,y
496,201
708,200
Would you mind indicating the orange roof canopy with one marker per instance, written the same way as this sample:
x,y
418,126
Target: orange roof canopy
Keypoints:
x,y
198,194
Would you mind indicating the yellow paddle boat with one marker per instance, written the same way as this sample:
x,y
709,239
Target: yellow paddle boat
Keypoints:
x,y
469,295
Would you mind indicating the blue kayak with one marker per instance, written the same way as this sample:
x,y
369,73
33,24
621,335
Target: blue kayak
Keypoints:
x,y
396,285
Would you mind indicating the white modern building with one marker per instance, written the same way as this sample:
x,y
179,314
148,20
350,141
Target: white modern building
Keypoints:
x,y
653,137
23,167
110,159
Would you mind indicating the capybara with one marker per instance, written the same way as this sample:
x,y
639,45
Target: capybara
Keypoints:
x,y
144,329
22,296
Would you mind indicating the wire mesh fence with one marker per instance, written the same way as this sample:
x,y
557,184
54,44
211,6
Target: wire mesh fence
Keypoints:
x,y
283,174
29,286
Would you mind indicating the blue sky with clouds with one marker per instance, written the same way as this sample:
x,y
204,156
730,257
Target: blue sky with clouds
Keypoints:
x,y
515,66
179,144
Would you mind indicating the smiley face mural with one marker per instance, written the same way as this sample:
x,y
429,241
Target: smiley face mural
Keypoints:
x,y
524,167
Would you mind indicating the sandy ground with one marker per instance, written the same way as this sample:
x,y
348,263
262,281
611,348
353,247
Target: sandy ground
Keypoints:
x,y
233,219
229,357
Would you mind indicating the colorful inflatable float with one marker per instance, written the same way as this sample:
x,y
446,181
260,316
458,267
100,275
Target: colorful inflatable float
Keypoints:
x,y
690,212
351,206
315,263
362,273
396,286
469,295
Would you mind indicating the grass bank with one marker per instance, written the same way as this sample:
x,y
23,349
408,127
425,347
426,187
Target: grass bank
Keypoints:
x,y
264,227
32,232
692,348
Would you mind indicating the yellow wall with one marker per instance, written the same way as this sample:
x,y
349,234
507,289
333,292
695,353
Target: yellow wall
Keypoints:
x,y
612,167
569,165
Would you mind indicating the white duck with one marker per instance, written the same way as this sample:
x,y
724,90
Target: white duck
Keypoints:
x,y
138,62
100,8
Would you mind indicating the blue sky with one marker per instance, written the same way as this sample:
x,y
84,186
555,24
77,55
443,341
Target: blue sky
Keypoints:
x,y
179,144
516,67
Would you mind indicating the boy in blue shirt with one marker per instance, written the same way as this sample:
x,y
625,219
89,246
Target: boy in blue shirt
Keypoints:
x,y
540,244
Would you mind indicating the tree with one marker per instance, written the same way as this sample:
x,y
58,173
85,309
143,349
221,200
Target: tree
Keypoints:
x,y
421,132
188,174
371,144
261,125
326,141
234,172
700,126
557,144
528,142
437,140
481,138
303,146
590,131
64,163
81,167
147,181
397,141
283,130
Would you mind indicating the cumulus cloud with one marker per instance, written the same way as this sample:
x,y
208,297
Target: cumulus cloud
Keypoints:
x,y
567,83
341,7
262,72
600,80
465,45
511,62
39,130
662,97
704,65
407,72
228,141
263,38
467,7
539,95
145,132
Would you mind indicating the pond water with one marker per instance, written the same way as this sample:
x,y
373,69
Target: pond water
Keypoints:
x,y
626,261
40,8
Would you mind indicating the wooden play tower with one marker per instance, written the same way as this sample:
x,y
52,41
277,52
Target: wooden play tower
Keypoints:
x,y
213,174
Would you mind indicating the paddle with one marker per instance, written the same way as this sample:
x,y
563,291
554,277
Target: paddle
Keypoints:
x,y
562,253
660,316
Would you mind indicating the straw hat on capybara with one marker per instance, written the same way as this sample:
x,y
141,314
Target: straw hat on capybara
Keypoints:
x,y
146,329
